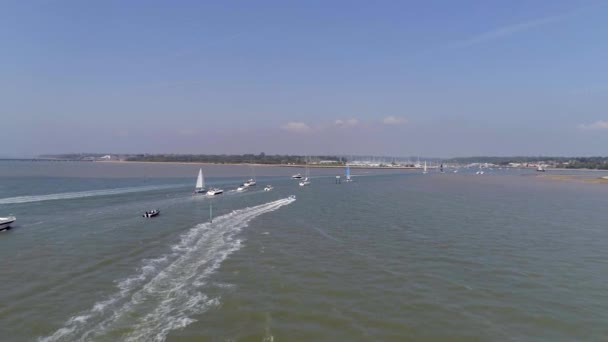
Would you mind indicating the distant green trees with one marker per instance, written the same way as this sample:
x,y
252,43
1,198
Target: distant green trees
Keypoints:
x,y
261,158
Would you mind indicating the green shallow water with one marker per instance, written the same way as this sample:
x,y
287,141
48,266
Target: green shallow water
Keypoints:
x,y
390,257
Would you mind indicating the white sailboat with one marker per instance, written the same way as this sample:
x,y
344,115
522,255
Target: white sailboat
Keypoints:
x,y
424,172
480,172
200,183
348,179
306,181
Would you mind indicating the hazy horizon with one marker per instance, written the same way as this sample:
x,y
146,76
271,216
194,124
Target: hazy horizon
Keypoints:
x,y
432,78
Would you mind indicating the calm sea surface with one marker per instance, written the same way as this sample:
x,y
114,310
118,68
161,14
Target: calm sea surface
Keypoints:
x,y
392,256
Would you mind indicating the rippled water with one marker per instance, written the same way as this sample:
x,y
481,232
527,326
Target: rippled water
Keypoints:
x,y
389,257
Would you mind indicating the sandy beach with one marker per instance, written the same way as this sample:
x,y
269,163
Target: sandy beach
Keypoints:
x,y
575,178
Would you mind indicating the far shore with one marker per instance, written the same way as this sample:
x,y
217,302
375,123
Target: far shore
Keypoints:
x,y
264,165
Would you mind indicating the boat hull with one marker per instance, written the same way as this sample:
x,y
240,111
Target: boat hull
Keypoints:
x,y
151,214
6,223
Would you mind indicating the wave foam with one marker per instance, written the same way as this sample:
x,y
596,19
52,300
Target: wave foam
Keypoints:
x,y
164,294
81,194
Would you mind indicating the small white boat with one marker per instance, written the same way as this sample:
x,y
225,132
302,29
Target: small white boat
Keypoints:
x,y
424,172
200,183
297,176
347,171
480,172
305,182
540,168
151,213
268,188
251,181
5,222
214,192
241,188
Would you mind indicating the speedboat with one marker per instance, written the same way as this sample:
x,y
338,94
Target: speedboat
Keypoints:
x,y
250,182
241,187
305,182
214,191
5,222
297,176
540,168
268,188
151,213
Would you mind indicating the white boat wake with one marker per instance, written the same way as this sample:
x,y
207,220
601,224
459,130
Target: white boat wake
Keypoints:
x,y
165,292
81,194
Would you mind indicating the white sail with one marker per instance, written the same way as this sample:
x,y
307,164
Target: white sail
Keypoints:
x,y
200,181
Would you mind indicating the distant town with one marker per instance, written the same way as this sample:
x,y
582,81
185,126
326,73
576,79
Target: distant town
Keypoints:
x,y
598,163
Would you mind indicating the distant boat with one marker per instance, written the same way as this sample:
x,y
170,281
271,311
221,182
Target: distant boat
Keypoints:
x,y
348,179
268,188
424,172
306,181
214,192
242,187
200,183
251,181
297,176
151,213
441,168
480,172
5,222
540,168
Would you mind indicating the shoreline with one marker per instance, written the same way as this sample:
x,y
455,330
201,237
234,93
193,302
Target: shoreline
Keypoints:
x,y
264,165
574,178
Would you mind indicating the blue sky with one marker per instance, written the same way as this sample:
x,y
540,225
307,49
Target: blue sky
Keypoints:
x,y
432,78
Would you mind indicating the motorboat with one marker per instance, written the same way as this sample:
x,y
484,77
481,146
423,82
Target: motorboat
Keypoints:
x,y
251,181
241,188
268,188
5,222
151,213
305,182
297,176
200,183
540,168
214,192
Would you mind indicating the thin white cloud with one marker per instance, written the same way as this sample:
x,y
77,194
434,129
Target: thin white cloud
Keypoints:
x,y
601,124
394,120
296,127
509,30
347,122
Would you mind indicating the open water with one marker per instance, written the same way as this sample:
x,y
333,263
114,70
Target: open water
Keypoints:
x,y
392,256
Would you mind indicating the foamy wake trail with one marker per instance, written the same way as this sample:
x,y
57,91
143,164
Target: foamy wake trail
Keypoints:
x,y
165,292
81,194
